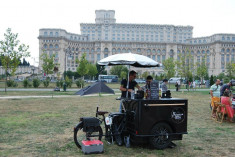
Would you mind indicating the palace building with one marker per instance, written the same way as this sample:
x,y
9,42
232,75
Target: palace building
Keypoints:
x,y
105,37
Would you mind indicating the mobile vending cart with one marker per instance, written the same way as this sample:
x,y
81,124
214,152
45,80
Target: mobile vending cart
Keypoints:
x,y
153,120
156,121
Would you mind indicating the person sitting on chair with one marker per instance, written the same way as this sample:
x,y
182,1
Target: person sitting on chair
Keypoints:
x,y
132,85
226,100
215,95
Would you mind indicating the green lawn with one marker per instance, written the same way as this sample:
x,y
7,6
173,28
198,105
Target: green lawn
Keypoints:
x,y
44,127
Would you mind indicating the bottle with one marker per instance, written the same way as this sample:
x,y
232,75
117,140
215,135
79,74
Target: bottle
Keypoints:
x,y
160,92
146,93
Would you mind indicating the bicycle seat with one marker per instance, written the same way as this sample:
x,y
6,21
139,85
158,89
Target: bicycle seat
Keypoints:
x,y
101,112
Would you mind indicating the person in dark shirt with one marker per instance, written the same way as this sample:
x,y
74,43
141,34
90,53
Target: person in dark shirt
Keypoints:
x,y
225,87
132,85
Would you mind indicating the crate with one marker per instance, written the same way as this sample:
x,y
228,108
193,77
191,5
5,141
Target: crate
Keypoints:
x,y
92,147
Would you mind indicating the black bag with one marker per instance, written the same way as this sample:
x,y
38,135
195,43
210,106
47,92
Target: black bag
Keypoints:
x,y
90,124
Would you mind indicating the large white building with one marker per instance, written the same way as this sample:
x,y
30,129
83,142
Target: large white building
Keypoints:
x,y
159,42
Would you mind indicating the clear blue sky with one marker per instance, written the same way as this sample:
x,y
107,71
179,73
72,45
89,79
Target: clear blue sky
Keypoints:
x,y
26,17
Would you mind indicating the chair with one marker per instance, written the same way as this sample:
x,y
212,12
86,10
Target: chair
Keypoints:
x,y
220,112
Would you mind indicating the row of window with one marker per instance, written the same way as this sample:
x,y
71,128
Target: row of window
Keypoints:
x,y
228,50
51,46
137,27
51,34
228,38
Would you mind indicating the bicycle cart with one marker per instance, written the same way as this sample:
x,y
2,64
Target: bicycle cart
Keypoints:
x,y
156,121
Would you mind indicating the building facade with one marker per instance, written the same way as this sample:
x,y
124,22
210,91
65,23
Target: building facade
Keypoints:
x,y
105,37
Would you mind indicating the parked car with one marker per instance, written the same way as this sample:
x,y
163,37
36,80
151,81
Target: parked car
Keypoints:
x,y
173,80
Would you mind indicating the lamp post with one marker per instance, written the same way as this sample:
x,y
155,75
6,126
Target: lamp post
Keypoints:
x,y
67,53
33,68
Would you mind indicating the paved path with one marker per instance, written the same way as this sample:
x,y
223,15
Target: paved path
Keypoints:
x,y
50,96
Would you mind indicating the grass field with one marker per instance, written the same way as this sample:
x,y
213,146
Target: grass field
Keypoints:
x,y
44,127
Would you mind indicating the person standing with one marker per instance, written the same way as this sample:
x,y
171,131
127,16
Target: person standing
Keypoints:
x,y
164,86
178,82
131,88
215,95
225,87
177,86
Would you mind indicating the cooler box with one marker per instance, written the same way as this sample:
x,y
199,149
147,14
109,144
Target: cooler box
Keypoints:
x,y
93,146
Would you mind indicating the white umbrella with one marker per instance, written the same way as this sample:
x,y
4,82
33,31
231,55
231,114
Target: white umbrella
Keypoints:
x,y
129,59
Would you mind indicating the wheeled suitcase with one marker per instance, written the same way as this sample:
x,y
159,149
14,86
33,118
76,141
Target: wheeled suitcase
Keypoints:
x,y
92,147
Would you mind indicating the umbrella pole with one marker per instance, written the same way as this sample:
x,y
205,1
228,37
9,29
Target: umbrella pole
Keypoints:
x,y
127,87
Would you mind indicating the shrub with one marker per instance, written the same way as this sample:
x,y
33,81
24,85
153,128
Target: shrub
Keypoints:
x,y
11,83
26,83
58,84
68,82
80,83
46,83
36,83
61,83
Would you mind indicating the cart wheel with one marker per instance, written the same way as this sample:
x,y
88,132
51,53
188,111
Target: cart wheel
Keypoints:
x,y
79,135
162,138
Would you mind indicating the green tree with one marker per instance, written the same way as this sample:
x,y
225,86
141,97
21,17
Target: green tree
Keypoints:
x,y
100,70
116,70
11,51
92,70
48,63
185,66
212,80
202,70
169,68
123,75
82,69
230,70
145,75
221,76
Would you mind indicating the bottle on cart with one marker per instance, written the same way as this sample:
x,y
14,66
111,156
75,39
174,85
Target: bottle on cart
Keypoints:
x,y
160,92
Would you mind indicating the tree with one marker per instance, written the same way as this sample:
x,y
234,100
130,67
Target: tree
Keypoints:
x,y
82,69
169,68
123,75
230,70
202,70
100,70
221,76
92,70
185,66
212,80
11,51
48,63
145,75
116,70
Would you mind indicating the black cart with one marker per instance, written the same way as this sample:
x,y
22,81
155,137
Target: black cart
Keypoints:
x,y
158,122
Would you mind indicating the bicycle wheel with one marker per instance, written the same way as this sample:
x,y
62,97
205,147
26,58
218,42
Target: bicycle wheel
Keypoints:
x,y
162,138
80,135
117,135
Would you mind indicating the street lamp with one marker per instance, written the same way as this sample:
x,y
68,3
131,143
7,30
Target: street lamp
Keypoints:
x,y
67,54
33,68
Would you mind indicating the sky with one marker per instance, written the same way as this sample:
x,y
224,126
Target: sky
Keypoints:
x,y
26,17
